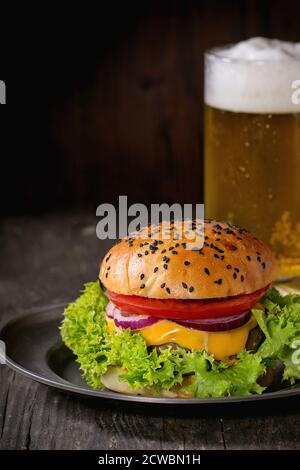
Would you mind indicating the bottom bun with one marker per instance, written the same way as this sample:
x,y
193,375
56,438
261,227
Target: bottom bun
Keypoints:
x,y
271,379
111,381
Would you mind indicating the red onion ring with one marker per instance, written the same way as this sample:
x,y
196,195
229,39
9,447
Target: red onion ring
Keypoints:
x,y
217,324
136,322
110,310
128,320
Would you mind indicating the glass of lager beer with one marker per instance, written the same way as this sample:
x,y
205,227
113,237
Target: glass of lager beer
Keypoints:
x,y
252,142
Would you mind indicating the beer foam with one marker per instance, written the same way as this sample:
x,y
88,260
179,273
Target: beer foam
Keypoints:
x,y
253,76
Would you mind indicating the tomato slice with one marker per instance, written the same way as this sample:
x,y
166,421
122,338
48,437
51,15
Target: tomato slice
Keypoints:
x,y
186,309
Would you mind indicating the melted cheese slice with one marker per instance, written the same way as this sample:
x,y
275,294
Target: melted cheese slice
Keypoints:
x,y
221,344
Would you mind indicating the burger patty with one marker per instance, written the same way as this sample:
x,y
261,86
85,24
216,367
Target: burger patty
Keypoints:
x,y
255,339
165,346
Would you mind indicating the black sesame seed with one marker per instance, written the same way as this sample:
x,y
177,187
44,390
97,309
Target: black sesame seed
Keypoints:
x,y
153,248
216,256
218,281
232,247
174,252
218,226
242,278
177,245
168,290
166,259
139,255
107,258
218,239
263,264
141,245
228,266
108,268
146,252
165,266
248,258
259,259
191,289
171,248
187,263
106,274
163,285
142,276
142,286
183,245
222,257
258,253
155,269
206,270
184,285
160,242
155,242
163,251
234,275
237,270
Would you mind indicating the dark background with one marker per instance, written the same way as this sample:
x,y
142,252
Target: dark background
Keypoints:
x,y
109,101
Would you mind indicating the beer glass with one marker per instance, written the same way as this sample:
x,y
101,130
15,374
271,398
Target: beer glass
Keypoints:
x,y
252,143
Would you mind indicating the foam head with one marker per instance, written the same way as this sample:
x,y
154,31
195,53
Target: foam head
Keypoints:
x,y
253,76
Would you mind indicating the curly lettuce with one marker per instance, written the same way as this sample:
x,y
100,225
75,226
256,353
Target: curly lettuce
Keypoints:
x,y
84,331
280,323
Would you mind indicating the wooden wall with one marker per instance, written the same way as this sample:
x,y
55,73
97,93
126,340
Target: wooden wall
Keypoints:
x,y
116,100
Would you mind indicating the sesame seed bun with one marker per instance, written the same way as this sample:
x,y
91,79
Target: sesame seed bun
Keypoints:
x,y
231,262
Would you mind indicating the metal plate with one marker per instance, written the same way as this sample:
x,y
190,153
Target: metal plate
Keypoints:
x,y
34,348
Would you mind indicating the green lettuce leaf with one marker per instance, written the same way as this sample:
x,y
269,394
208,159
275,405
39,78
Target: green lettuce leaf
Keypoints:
x,y
216,378
280,323
84,331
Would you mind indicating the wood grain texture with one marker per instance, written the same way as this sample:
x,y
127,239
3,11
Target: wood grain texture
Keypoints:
x,y
45,260
118,103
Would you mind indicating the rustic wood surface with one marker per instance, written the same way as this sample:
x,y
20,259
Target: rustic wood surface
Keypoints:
x,y
44,261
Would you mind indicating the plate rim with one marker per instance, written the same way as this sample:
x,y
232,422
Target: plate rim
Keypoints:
x,y
64,385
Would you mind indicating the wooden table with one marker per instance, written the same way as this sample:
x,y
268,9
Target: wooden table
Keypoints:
x,y
44,260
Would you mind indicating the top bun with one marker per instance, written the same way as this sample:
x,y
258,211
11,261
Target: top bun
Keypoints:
x,y
232,261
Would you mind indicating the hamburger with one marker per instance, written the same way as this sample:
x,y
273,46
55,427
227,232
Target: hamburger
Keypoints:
x,y
182,319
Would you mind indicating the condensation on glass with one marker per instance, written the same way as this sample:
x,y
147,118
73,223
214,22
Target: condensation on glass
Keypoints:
x,y
252,143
